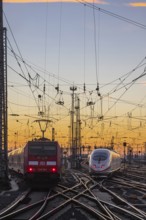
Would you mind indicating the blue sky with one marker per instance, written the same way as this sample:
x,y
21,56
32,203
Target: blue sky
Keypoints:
x,y
121,45
59,37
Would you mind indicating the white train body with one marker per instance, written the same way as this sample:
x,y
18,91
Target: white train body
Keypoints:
x,y
104,162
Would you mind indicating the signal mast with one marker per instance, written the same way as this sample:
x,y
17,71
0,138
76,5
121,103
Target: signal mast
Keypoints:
x,y
3,100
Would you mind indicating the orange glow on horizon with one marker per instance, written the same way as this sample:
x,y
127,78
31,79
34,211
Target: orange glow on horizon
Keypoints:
x,y
138,4
47,1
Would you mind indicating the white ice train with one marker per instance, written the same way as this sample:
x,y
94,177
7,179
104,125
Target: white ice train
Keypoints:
x,y
104,162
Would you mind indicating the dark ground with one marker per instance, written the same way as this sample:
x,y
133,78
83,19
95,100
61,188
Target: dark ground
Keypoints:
x,y
11,192
8,194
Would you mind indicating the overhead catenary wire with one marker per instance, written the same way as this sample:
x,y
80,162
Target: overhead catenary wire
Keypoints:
x,y
39,69
130,21
130,85
129,74
14,41
24,76
84,69
126,84
46,37
59,44
47,94
27,81
125,76
45,59
121,85
95,45
121,78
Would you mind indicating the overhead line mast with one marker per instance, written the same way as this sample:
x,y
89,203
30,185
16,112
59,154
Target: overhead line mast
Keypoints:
x,y
3,100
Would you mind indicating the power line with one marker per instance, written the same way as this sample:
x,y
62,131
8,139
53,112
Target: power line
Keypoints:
x,y
130,21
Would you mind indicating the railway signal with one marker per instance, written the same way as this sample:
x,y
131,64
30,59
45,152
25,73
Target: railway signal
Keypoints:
x,y
124,145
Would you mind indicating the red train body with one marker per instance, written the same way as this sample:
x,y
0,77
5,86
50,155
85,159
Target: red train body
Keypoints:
x,y
40,158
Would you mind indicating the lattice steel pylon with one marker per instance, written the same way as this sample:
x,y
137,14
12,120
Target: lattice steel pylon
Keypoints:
x,y
3,100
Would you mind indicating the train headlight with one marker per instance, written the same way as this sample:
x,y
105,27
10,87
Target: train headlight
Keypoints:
x,y
53,170
94,166
30,169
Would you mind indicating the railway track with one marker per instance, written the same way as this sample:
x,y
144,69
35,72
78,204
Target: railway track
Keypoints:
x,y
121,209
82,197
136,172
31,203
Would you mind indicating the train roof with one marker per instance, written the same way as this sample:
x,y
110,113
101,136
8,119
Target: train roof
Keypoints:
x,y
18,150
104,149
41,140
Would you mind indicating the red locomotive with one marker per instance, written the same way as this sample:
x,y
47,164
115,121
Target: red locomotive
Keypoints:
x,y
39,158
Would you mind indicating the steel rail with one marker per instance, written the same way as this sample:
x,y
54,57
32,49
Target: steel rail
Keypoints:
x,y
15,204
139,187
99,203
73,199
6,215
117,207
38,213
105,209
114,206
126,202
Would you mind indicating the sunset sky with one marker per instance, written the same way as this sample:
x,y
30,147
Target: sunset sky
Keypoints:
x,y
68,43
131,3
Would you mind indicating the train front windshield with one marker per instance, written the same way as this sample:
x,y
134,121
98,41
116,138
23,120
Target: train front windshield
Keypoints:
x,y
100,156
42,149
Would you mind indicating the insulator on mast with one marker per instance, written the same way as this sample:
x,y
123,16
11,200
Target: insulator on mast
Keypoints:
x,y
84,87
97,89
60,101
57,88
44,88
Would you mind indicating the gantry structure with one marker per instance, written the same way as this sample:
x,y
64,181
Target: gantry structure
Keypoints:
x,y
75,128
3,100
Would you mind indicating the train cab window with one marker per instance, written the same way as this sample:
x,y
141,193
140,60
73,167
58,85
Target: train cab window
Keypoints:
x,y
100,156
42,150
50,150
